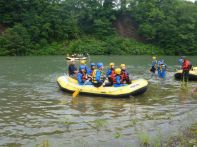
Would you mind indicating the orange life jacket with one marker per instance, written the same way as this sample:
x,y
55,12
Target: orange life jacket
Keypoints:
x,y
124,76
112,76
186,65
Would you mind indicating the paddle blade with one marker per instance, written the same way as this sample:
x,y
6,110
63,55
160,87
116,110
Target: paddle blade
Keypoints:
x,y
75,94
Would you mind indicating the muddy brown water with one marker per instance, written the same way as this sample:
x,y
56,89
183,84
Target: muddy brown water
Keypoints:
x,y
33,110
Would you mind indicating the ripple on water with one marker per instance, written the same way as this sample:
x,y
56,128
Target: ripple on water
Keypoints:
x,y
33,109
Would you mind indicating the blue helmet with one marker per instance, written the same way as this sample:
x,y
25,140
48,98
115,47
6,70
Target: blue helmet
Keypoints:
x,y
99,65
82,67
92,64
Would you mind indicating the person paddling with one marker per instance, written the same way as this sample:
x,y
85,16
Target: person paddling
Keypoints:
x,y
98,77
124,75
82,77
111,74
186,66
72,69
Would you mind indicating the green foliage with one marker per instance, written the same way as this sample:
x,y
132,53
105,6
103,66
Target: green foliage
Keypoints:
x,y
170,24
15,41
111,45
54,48
35,27
90,45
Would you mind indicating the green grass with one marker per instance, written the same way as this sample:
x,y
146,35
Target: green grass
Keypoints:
x,y
144,139
133,122
100,123
117,135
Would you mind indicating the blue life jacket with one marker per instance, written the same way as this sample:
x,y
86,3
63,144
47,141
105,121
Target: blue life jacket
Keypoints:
x,y
81,78
109,72
89,71
118,81
162,73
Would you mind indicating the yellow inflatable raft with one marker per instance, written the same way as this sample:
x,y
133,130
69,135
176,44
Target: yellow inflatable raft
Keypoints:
x,y
192,74
137,87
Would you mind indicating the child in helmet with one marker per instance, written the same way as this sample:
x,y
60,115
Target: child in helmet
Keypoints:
x,y
124,75
82,76
91,69
97,76
111,74
117,81
83,62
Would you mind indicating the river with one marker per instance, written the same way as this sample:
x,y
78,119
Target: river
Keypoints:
x,y
33,110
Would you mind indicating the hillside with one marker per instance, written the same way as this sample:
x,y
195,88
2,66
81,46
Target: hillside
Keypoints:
x,y
127,27
43,27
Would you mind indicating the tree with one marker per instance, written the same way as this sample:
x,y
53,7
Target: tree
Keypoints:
x,y
16,41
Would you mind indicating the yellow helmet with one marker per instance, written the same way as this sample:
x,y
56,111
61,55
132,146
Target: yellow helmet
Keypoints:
x,y
154,58
111,64
118,71
83,62
122,65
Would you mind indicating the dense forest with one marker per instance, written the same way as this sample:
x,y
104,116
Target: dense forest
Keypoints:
x,y
43,27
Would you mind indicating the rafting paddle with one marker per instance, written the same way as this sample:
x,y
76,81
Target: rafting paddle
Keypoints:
x,y
76,93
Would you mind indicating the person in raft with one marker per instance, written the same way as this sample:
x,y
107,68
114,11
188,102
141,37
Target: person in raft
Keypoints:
x,y
110,74
72,69
186,66
83,62
98,77
117,82
124,75
153,67
91,69
82,77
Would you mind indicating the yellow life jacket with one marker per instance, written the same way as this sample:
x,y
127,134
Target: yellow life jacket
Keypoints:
x,y
94,76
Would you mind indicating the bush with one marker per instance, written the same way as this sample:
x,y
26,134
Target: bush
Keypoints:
x,y
112,45
15,41
51,49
